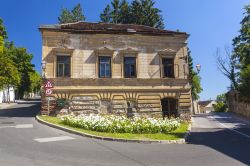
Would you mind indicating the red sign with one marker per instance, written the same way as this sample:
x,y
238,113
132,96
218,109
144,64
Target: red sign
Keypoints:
x,y
48,84
48,92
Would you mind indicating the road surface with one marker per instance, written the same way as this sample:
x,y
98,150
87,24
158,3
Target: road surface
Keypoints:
x,y
215,140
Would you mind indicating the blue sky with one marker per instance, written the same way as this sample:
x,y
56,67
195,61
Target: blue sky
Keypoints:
x,y
212,24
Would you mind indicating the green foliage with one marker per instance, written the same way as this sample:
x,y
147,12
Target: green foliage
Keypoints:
x,y
16,69
3,35
141,12
22,61
106,14
221,98
241,45
196,86
144,13
1,44
194,78
9,75
124,14
3,32
36,82
220,107
75,15
115,11
244,86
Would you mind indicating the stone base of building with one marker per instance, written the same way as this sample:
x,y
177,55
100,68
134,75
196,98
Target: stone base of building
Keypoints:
x,y
161,104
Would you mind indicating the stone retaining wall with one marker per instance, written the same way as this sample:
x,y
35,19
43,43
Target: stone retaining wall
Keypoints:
x,y
241,108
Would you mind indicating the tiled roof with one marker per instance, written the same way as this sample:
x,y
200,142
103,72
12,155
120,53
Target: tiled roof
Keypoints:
x,y
91,27
204,103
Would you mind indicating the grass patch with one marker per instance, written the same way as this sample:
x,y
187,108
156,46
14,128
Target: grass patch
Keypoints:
x,y
174,135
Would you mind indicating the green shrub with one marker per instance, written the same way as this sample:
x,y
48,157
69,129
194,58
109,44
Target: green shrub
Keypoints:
x,y
220,107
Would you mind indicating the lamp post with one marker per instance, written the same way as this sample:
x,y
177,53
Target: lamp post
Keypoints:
x,y
198,69
43,64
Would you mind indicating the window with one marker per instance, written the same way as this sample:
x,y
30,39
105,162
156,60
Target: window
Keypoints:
x,y
129,67
168,67
63,66
104,67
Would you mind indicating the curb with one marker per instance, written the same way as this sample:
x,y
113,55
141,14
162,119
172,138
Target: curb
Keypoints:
x,y
72,131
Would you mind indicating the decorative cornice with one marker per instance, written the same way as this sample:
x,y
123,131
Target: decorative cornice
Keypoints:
x,y
105,49
167,51
129,50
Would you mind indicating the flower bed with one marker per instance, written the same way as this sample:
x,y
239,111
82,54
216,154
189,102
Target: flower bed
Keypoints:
x,y
121,124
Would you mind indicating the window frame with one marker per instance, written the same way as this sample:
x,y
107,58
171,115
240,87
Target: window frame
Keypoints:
x,y
172,66
98,64
57,66
135,66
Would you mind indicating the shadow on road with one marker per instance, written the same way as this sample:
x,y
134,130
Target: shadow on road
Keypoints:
x,y
224,141
22,109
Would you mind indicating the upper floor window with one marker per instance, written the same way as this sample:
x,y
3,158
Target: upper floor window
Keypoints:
x,y
129,67
104,67
63,66
168,67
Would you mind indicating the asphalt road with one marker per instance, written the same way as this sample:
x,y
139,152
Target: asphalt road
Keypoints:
x,y
215,140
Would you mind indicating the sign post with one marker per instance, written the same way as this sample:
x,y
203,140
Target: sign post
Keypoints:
x,y
48,91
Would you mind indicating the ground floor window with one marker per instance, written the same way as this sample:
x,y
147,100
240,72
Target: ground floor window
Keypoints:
x,y
169,107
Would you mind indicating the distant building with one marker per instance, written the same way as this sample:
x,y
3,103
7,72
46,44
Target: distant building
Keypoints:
x,y
6,96
206,106
117,68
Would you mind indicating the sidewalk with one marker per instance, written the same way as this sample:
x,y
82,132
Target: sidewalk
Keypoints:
x,y
6,105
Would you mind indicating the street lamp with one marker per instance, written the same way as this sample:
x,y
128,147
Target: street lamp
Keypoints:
x,y
198,67
43,64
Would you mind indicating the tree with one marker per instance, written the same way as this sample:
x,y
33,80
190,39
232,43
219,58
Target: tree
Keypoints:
x,y
106,15
75,15
3,32
221,105
36,81
145,13
3,35
141,12
22,61
9,75
124,13
241,51
137,12
194,79
115,12
227,66
16,69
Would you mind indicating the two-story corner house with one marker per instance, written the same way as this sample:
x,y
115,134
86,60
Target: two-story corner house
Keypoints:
x,y
118,68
